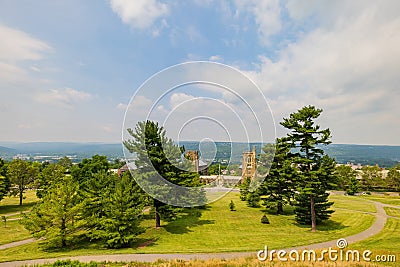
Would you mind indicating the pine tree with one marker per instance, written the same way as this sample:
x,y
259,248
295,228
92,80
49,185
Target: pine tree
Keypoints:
x,y
303,209
244,189
122,210
159,159
279,184
96,192
315,172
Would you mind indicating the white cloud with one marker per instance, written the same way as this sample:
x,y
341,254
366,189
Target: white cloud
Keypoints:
x,y
178,98
347,64
139,14
17,45
267,16
65,98
215,58
121,106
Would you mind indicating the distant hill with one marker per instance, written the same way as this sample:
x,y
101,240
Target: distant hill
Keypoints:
x,y
80,150
6,151
384,156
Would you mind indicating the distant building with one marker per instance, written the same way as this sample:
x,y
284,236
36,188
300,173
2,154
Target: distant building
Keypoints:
x,y
128,166
249,164
200,166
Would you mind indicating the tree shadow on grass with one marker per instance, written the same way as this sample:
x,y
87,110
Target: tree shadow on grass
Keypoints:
x,y
16,208
287,211
189,218
83,242
75,242
325,226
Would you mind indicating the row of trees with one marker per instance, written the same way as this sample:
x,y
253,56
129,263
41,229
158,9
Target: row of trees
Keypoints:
x,y
372,179
88,201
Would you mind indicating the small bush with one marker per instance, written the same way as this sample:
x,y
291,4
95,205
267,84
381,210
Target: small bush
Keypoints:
x,y
264,219
232,206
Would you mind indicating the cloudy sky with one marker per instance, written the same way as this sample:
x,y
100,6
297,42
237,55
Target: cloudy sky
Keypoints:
x,y
68,69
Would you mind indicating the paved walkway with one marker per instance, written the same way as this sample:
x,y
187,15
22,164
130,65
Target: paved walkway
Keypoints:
x,y
378,226
18,243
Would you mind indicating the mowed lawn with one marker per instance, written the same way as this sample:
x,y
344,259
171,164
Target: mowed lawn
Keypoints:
x,y
217,229
387,242
384,244
395,212
13,230
352,202
11,204
220,230
391,200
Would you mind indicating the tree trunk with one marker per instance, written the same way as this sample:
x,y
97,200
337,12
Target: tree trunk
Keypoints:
x,y
21,195
313,217
63,231
158,221
157,215
280,208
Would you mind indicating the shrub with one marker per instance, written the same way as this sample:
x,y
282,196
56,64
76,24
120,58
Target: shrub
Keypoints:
x,y
232,206
264,219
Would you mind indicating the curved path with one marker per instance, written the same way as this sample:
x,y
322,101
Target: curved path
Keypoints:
x,y
378,226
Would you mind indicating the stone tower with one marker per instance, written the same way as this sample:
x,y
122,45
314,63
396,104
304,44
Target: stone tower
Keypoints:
x,y
193,155
249,164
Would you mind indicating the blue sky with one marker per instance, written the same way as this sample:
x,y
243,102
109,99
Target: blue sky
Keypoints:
x,y
68,69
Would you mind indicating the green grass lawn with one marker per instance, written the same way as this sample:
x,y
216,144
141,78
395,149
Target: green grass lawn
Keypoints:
x,y
391,200
352,203
387,242
11,204
392,211
217,229
14,230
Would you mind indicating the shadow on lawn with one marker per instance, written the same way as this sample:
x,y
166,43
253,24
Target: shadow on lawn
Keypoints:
x,y
189,218
82,242
328,225
15,208
287,211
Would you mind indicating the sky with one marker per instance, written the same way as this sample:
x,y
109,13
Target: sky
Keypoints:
x,y
69,69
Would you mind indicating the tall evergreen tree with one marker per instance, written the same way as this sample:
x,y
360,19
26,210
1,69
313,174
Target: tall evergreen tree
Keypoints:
x,y
120,224
314,176
279,184
158,156
96,191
